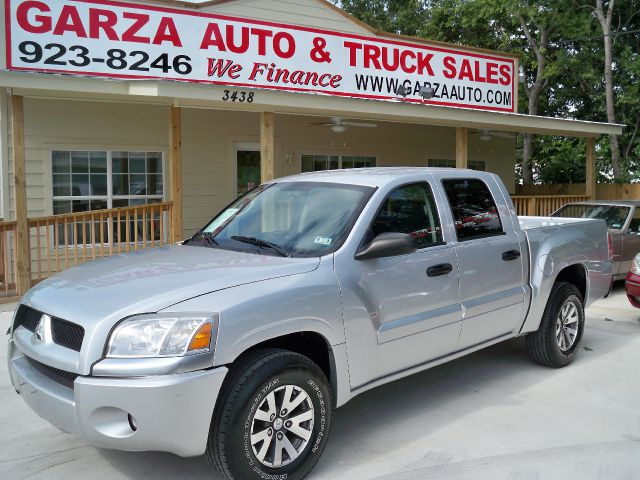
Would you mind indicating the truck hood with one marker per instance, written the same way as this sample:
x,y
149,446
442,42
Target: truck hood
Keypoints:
x,y
150,280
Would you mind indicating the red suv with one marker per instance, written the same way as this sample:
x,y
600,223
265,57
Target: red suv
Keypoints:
x,y
632,283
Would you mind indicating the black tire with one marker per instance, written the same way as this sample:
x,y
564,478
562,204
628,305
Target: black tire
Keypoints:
x,y
229,449
542,345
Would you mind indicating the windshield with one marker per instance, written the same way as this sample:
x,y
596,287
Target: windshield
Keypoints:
x,y
299,219
614,215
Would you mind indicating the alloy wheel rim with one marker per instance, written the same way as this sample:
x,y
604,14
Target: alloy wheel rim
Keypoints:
x,y
567,325
281,426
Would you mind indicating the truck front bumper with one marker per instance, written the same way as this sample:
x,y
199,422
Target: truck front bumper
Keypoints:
x,y
169,413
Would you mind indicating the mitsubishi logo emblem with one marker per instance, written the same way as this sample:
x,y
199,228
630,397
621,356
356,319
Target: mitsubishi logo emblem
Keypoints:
x,y
41,330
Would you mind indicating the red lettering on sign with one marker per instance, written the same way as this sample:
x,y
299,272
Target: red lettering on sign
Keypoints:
x,y
262,35
424,63
167,32
449,67
69,21
465,70
371,55
403,61
213,38
258,68
479,77
505,73
394,63
492,72
244,46
353,52
139,21
42,22
281,38
221,67
103,20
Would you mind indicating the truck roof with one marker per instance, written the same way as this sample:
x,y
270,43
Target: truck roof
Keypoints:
x,y
376,176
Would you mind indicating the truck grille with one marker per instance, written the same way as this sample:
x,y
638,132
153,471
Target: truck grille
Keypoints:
x,y
59,376
63,332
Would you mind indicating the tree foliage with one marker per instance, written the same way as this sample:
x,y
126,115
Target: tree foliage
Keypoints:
x,y
561,47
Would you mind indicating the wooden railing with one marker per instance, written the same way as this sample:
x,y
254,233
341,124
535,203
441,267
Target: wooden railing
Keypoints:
x,y
57,242
543,205
62,241
7,259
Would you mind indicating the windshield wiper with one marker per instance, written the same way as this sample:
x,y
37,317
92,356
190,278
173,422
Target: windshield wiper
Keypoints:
x,y
207,238
261,243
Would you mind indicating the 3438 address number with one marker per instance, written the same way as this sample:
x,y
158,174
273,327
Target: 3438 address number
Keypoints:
x,y
237,96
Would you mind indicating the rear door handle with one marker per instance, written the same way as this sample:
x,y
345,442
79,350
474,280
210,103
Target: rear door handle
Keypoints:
x,y
441,269
510,255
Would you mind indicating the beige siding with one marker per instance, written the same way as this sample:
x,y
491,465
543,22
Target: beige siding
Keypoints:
x,y
209,140
76,125
308,13
210,136
208,173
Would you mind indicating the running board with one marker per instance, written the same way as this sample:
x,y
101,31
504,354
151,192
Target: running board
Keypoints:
x,y
431,363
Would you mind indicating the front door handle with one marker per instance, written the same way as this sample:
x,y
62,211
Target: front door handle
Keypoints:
x,y
510,255
441,269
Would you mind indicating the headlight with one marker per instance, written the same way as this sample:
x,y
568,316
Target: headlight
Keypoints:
x,y
163,335
635,265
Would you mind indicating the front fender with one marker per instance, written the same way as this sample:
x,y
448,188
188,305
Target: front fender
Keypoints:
x,y
258,312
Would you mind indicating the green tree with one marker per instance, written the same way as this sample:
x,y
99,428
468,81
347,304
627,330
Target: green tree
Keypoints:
x,y
561,47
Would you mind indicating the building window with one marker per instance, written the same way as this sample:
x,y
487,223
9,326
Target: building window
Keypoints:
x,y
472,164
316,163
95,180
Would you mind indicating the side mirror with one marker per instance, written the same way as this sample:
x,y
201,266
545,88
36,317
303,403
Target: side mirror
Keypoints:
x,y
387,244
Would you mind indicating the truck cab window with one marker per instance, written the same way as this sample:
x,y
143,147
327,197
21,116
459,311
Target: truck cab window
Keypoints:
x,y
474,210
409,209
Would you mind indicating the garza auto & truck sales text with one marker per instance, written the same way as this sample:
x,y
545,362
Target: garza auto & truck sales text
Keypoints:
x,y
232,38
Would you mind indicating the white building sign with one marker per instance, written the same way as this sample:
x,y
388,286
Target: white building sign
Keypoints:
x,y
127,41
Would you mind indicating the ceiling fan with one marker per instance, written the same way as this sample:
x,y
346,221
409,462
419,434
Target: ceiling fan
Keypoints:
x,y
486,135
339,125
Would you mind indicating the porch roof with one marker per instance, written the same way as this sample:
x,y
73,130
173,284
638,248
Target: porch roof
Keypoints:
x,y
210,96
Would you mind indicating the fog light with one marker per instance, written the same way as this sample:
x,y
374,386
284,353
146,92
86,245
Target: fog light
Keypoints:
x,y
132,422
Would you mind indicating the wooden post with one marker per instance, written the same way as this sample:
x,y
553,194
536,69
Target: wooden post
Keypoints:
x,y
267,147
532,206
590,169
22,249
175,157
461,147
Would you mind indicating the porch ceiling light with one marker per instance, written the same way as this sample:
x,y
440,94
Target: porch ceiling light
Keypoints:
x,y
338,128
485,136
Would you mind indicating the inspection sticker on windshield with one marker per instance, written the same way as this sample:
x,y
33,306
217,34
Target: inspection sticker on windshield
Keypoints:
x,y
323,241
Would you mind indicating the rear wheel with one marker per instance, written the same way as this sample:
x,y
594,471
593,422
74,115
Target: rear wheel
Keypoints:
x,y
273,418
556,342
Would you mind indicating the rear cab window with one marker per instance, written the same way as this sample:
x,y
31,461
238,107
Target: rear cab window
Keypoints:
x,y
474,210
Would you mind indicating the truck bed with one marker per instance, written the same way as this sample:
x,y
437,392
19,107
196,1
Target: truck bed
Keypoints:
x,y
556,243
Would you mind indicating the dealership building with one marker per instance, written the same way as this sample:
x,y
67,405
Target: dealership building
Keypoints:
x,y
127,124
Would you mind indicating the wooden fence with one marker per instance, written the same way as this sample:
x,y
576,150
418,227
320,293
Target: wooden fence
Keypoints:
x,y
604,191
543,205
57,242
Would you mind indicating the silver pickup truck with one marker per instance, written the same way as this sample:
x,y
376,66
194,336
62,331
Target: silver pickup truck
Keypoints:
x,y
305,292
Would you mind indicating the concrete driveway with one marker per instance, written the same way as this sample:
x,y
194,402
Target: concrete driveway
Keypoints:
x,y
492,415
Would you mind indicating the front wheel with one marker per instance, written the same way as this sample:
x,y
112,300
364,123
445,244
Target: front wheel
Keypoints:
x,y
273,418
556,341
